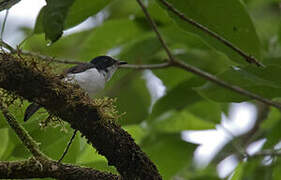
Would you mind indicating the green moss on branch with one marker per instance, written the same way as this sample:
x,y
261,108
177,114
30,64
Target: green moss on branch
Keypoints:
x,y
26,78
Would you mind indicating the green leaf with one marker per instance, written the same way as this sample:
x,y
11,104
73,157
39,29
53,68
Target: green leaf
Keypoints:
x,y
263,82
65,48
178,76
54,146
254,170
169,152
141,50
273,135
177,98
82,9
7,4
132,96
206,110
229,19
177,121
102,39
238,172
4,136
54,15
136,131
77,12
87,154
277,171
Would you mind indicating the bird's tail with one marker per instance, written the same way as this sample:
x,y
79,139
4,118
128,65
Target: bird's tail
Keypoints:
x,y
30,110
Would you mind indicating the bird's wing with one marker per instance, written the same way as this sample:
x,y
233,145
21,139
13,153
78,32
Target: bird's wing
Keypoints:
x,y
80,68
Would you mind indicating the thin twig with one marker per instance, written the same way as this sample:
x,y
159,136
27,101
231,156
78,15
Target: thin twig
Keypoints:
x,y
175,63
154,27
68,145
4,24
247,57
266,153
194,70
7,46
146,66
48,58
22,134
29,53
224,84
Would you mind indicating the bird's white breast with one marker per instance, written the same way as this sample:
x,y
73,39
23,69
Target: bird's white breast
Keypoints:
x,y
90,80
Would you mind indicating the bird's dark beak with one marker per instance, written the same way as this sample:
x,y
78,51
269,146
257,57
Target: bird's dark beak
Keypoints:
x,y
122,62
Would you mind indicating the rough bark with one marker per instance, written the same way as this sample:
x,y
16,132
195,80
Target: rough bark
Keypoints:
x,y
26,78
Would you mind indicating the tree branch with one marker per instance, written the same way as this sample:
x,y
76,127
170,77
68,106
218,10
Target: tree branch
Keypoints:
x,y
48,58
266,153
248,58
22,134
146,66
26,78
31,169
224,84
154,27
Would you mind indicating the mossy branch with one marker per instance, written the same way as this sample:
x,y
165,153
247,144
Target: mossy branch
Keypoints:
x,y
31,169
23,135
26,78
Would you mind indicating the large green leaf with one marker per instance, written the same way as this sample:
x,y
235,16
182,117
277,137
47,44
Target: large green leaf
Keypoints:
x,y
141,50
54,15
132,97
263,82
271,128
70,14
177,98
206,110
169,152
229,19
253,170
4,136
177,121
238,172
65,48
111,34
82,9
276,175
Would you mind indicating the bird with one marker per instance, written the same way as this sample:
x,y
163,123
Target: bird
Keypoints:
x,y
91,77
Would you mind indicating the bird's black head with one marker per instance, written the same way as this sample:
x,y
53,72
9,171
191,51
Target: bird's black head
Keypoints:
x,y
103,62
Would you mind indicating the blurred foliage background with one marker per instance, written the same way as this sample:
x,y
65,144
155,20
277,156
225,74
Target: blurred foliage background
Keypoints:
x,y
161,104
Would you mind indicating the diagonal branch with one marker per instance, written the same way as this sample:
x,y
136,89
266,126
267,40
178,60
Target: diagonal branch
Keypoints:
x,y
194,70
248,58
48,58
224,84
71,104
154,26
146,66
25,138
